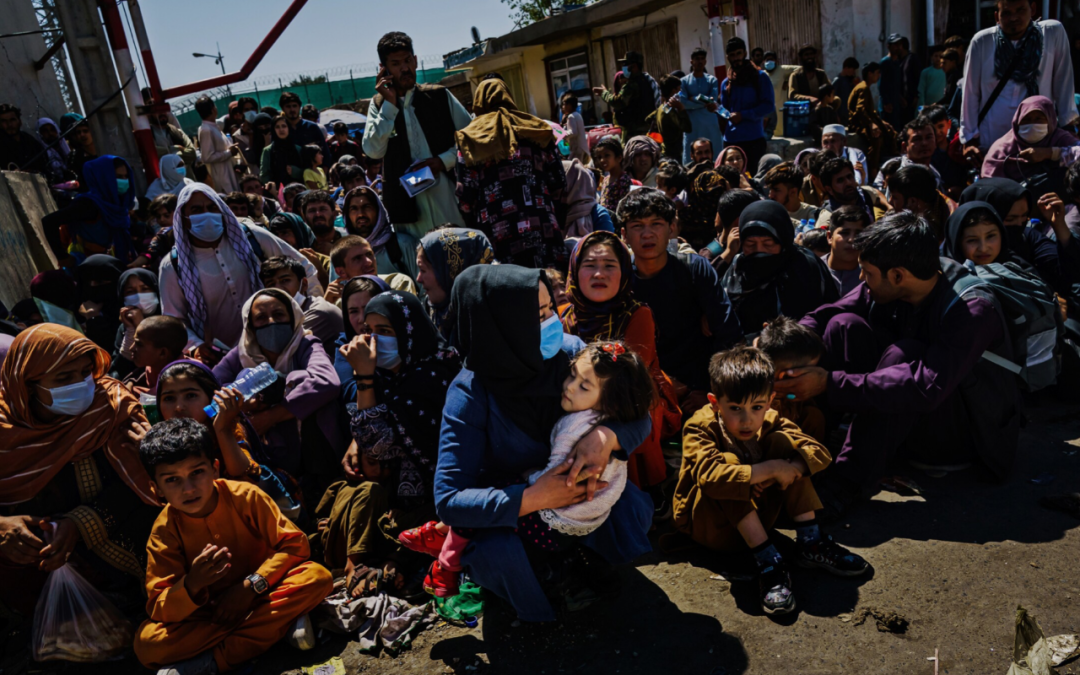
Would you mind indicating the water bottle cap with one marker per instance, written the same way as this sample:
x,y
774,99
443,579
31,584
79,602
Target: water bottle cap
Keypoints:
x,y
471,621
210,411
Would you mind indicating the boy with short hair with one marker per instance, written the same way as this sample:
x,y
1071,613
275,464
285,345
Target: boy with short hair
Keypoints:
x,y
743,463
790,345
158,341
843,260
227,574
351,257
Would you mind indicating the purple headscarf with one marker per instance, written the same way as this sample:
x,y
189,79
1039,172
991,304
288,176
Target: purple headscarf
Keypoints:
x,y
1002,160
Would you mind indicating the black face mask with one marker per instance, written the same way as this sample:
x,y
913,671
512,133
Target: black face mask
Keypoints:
x,y
810,64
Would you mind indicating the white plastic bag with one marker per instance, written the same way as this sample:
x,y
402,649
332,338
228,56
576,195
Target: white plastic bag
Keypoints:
x,y
75,622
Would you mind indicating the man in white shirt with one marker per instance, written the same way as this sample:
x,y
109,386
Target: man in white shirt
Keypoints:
x,y
215,150
834,137
411,127
1051,75
577,139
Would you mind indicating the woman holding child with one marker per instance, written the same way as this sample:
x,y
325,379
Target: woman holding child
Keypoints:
x,y
67,465
497,422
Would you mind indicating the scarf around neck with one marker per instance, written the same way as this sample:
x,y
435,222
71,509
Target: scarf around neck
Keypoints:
x,y
592,321
1026,71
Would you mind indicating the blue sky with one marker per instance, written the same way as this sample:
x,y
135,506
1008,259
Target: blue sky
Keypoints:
x,y
325,34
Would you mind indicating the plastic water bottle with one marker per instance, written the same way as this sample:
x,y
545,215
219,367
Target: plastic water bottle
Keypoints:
x,y
812,225
802,225
250,382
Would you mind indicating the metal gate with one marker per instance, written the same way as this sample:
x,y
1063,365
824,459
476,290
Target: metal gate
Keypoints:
x,y
783,26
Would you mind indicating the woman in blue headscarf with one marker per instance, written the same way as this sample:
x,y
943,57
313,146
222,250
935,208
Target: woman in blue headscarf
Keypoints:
x,y
98,220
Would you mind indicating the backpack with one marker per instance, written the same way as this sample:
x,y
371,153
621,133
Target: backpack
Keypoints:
x,y
1032,320
255,246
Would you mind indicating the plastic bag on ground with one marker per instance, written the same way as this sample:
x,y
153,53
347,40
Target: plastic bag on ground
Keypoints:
x,y
466,605
1031,654
75,622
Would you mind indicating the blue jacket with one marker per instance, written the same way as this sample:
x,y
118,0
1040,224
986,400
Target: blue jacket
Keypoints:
x,y
754,103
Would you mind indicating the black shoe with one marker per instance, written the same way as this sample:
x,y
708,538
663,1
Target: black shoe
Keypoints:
x,y
662,496
837,499
776,595
826,554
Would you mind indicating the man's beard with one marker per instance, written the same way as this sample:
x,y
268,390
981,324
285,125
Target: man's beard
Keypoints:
x,y
321,229
809,64
744,72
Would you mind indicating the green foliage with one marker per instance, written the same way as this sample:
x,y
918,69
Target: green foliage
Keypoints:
x,y
525,12
307,79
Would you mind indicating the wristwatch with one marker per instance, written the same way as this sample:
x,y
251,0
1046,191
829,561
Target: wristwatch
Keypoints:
x,y
258,584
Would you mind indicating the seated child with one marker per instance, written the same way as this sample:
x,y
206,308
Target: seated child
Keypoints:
x,y
816,240
616,184
607,381
227,575
788,344
158,341
743,463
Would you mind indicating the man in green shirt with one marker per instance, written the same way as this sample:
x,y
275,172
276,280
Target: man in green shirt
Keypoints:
x,y
635,101
672,120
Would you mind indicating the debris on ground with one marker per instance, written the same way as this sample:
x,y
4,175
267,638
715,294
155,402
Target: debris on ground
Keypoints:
x,y
1031,654
901,485
334,666
887,621
1063,648
1066,503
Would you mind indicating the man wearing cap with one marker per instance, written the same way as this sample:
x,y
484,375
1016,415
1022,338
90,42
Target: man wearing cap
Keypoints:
x,y
899,88
805,83
702,114
747,93
635,101
834,138
1037,55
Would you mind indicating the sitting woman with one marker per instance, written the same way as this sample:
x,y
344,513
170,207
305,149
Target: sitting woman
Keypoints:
x,y
354,301
641,159
497,422
301,434
138,293
602,307
68,468
772,275
735,157
99,309
1033,146
97,221
443,255
365,215
172,177
403,371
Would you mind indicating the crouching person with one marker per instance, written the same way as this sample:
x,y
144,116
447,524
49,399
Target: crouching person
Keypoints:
x,y
227,575
742,464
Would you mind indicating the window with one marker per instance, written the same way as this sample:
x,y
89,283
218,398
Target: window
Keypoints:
x,y
571,74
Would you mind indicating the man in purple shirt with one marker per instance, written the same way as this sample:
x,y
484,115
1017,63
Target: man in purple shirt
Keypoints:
x,y
904,354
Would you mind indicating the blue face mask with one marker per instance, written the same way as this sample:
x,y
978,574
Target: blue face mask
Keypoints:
x,y
207,226
626,71
122,185
73,399
181,171
386,352
274,337
770,66
551,332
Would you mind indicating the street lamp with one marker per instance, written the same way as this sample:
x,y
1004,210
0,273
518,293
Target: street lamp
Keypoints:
x,y
218,59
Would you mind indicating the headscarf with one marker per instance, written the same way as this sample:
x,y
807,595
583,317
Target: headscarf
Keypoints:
x,y
1001,194
190,283
577,201
499,334
593,321
1026,70
720,158
35,452
100,177
416,335
348,292
954,231
70,120
100,268
305,238
283,154
450,251
251,353
640,145
498,128
766,164
382,230
55,287
257,143
22,310
144,275
59,151
1003,157
169,181
698,224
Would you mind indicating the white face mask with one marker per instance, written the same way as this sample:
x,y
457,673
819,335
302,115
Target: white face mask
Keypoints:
x,y
72,399
147,302
299,298
1033,133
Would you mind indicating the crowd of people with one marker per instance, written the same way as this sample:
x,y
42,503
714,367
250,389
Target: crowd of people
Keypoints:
x,y
283,366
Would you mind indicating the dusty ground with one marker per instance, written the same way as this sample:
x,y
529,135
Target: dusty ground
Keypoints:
x,y
955,563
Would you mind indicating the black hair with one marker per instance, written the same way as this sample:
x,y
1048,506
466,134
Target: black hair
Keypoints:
x,y
646,202
356,285
915,180
674,174
270,110
341,127
243,101
272,266
832,168
166,200
935,113
395,41
951,55
702,140
288,97
571,99
816,240
825,90
611,143
741,373
920,122
901,240
310,113
731,205
6,108
315,196
734,44
890,167
204,107
669,84
165,332
250,176
847,215
352,172
627,391
292,190
851,62
979,215
785,339
816,162
871,67
729,174
784,173
308,153
173,441
236,198
700,51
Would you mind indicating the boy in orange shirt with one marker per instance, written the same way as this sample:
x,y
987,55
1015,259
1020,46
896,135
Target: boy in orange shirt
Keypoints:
x,y
227,575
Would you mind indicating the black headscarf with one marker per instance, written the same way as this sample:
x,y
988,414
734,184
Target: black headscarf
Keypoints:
x,y
1001,194
498,333
257,142
416,335
954,229
763,286
450,251
145,276
283,154
101,268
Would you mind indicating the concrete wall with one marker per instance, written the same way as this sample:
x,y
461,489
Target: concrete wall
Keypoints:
x,y
24,200
35,92
693,26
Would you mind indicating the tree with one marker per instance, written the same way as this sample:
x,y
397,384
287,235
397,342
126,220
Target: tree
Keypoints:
x,y
525,12
306,79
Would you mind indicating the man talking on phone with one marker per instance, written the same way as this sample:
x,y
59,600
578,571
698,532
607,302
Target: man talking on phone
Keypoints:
x,y
411,127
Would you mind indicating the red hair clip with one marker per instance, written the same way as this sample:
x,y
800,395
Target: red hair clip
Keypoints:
x,y
616,350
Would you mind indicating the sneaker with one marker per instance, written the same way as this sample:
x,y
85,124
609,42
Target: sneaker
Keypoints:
x,y
203,664
441,582
302,634
827,555
423,539
776,595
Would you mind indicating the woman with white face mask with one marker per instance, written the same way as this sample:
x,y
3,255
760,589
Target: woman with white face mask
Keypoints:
x,y
1035,145
66,468
138,292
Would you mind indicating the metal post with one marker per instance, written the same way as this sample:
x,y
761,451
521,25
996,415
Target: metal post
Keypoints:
x,y
144,48
330,89
930,23
258,99
352,81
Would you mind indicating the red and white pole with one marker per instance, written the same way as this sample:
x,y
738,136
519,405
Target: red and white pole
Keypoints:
x,y
144,136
